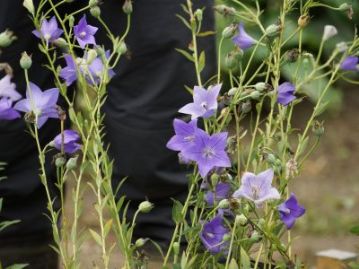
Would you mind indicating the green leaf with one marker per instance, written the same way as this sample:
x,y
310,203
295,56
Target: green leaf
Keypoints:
x,y
355,230
96,237
177,211
233,264
184,21
185,54
245,260
207,33
17,266
201,61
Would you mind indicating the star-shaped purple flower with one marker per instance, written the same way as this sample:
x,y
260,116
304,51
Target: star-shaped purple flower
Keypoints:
x,y
69,73
221,192
208,151
8,89
84,33
290,210
286,93
212,235
70,139
242,39
6,110
184,135
97,69
350,63
49,30
41,104
257,188
204,102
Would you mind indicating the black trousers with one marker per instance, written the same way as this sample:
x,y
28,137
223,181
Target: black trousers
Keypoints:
x,y
144,97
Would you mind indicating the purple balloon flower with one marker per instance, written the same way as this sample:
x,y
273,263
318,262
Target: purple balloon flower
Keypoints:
x,y
41,104
70,139
286,93
257,188
350,63
242,39
204,102
290,210
6,110
212,235
184,135
8,89
84,33
221,192
97,69
49,30
69,73
208,151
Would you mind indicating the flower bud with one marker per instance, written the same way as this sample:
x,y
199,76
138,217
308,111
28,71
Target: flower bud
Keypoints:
x,y
342,47
91,56
229,31
255,236
329,32
71,163
225,10
71,21
318,128
292,55
344,7
95,11
60,161
122,48
233,58
232,91
303,21
93,3
273,30
214,178
246,107
199,14
25,61
224,203
226,237
145,207
261,223
6,38
61,43
127,7
140,242
176,248
255,95
29,5
241,219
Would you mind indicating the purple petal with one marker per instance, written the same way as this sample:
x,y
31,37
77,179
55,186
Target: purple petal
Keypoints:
x,y
350,63
243,40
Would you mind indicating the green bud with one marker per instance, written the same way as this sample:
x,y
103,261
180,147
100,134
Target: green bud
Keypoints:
x,y
229,31
199,14
122,48
145,207
344,7
255,236
214,178
60,161
140,242
233,59
273,30
29,5
261,223
93,3
71,21
95,11
25,61
318,128
225,10
241,219
226,237
246,107
127,7
255,95
176,248
71,163
224,203
232,91
271,158
61,43
6,38
260,86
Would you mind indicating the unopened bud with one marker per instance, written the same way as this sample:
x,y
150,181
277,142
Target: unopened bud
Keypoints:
x,y
93,3
246,107
25,61
71,163
95,11
318,128
140,242
122,48
226,237
342,47
233,59
224,203
232,91
71,21
255,236
344,7
176,248
29,5
61,43
229,31
214,178
145,207
241,219
255,95
271,158
260,86
225,10
60,161
273,30
6,38
127,7
303,21
329,32
91,56
199,14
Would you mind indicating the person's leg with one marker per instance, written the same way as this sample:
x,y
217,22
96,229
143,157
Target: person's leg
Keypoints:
x,y
144,99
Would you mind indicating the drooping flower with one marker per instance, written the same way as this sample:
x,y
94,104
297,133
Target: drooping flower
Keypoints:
x,y
8,89
350,63
70,141
329,32
212,235
290,210
97,69
84,33
6,110
69,73
208,151
184,135
286,93
42,104
204,102
242,39
222,190
49,30
257,188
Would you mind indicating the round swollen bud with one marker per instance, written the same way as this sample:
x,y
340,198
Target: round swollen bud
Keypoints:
x,y
344,7
60,161
273,30
127,7
145,207
229,31
6,38
25,61
246,107
122,48
241,219
232,91
93,3
199,14
260,86
214,178
224,203
255,95
95,11
71,21
176,248
303,21
61,43
71,163
140,242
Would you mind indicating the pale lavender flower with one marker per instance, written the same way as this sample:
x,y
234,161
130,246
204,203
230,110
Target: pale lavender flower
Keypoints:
x,y
286,93
212,235
97,69
6,110
350,63
70,139
222,190
257,188
84,33
242,39
49,30
208,151
290,210
8,89
41,104
204,102
69,73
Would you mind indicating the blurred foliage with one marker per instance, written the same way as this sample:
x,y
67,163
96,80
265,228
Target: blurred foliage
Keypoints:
x,y
320,16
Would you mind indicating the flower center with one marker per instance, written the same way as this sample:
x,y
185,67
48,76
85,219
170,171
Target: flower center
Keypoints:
x,y
82,34
210,235
286,211
255,192
189,138
47,36
208,152
204,105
